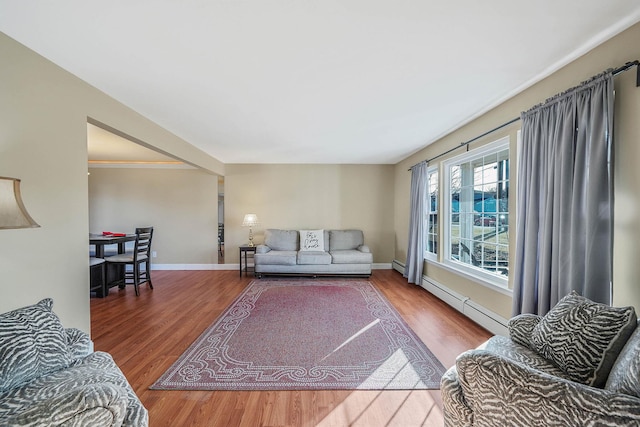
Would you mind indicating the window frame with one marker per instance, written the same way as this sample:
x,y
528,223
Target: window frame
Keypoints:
x,y
476,273
429,255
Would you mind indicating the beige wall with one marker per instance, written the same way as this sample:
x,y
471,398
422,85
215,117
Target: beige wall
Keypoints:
x,y
181,205
43,141
310,197
43,116
617,51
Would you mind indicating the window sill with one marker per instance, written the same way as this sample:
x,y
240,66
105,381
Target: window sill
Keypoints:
x,y
503,289
431,257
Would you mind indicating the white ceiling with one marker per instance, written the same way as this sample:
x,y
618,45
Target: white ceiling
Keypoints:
x,y
303,81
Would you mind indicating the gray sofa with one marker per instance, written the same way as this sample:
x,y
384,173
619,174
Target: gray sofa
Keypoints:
x,y
49,376
577,366
317,252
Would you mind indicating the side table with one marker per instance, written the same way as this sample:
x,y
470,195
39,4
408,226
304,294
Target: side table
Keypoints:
x,y
244,250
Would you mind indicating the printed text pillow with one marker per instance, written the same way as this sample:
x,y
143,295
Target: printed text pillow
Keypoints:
x,y
312,240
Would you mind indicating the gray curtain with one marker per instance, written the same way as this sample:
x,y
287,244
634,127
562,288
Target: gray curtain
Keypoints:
x,y
564,201
415,249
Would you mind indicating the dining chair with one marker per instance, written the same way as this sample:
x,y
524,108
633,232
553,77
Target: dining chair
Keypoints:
x,y
221,240
141,255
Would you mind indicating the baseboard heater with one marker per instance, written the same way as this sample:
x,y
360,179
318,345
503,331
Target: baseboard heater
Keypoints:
x,y
476,312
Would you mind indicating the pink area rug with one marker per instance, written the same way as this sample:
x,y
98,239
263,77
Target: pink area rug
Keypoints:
x,y
306,335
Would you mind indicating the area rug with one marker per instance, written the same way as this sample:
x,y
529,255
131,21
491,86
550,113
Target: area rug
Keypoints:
x,y
306,335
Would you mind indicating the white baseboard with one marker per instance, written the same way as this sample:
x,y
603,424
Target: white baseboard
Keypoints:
x,y
195,267
381,266
476,312
397,265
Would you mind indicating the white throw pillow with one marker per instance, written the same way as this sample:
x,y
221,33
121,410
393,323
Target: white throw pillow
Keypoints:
x,y
312,240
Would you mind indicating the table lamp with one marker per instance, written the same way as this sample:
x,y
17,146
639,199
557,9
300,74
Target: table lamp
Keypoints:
x,y
250,220
13,214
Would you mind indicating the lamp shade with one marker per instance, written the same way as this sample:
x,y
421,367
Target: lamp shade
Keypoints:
x,y
13,214
250,220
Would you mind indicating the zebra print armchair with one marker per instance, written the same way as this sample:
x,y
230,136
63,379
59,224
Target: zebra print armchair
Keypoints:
x,y
577,366
49,376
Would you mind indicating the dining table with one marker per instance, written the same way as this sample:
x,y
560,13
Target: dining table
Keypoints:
x,y
102,240
115,274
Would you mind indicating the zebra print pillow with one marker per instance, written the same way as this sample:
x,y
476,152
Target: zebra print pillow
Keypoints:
x,y
32,343
625,375
583,338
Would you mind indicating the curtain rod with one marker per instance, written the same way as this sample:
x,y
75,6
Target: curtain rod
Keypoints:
x,y
628,65
615,72
463,144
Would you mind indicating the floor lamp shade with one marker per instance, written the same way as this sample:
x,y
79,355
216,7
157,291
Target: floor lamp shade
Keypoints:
x,y
13,214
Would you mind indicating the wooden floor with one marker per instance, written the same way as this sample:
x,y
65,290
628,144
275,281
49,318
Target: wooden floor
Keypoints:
x,y
146,334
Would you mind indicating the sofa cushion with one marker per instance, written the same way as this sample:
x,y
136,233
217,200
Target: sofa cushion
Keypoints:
x,y
56,389
101,404
312,240
345,239
625,374
281,240
314,258
508,348
583,337
262,249
352,256
521,327
33,343
78,343
276,258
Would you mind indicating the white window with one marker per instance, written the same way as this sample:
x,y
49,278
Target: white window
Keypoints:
x,y
431,215
477,213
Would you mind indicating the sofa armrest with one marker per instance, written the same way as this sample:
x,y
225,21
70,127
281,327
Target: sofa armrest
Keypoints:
x,y
79,343
521,327
456,411
364,248
93,405
498,388
262,249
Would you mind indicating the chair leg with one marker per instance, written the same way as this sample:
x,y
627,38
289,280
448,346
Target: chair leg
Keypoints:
x,y
147,265
122,272
136,278
104,289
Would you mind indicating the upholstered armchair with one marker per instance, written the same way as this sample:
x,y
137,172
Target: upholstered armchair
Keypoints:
x,y
49,376
577,366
